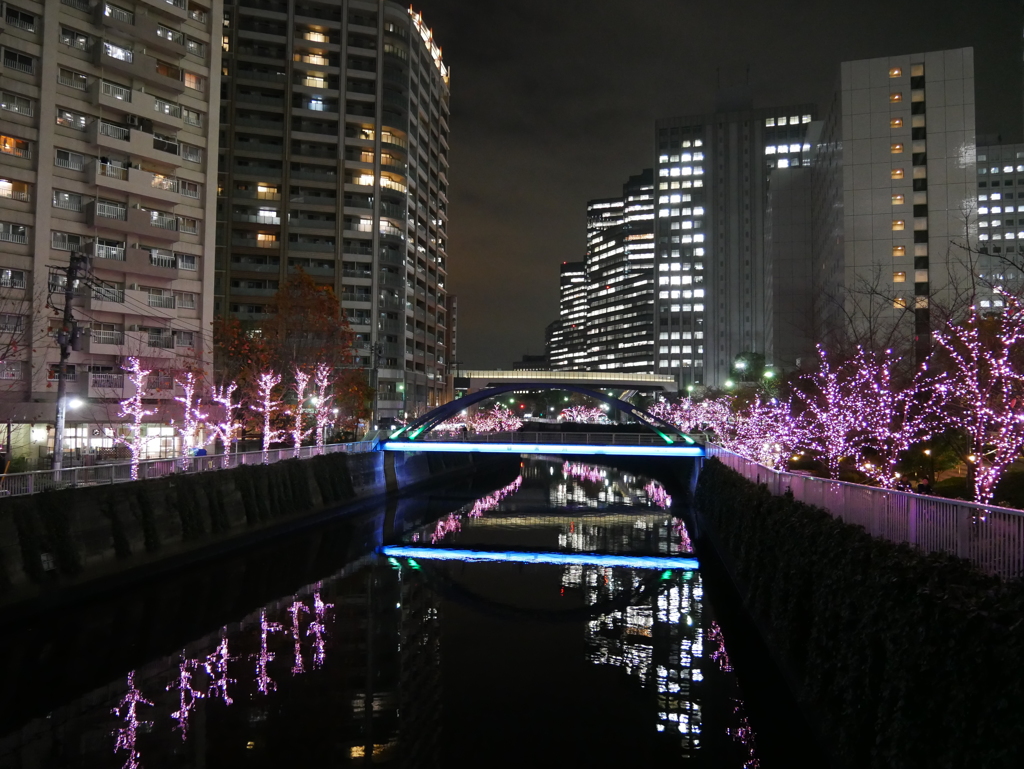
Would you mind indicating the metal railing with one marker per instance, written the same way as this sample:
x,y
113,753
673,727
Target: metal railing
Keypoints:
x,y
110,252
114,172
20,484
589,439
990,537
106,381
117,91
115,131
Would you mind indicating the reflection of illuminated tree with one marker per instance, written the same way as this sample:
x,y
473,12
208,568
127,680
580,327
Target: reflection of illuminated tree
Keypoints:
x,y
128,711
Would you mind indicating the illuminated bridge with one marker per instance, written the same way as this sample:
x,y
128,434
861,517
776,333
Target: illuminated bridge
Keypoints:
x,y
664,439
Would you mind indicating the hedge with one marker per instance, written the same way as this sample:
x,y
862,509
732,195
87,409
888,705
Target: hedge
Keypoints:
x,y
907,659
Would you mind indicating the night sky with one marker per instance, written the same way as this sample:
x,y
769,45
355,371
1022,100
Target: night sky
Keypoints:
x,y
554,102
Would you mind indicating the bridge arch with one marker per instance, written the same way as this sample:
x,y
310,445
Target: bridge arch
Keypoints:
x,y
669,432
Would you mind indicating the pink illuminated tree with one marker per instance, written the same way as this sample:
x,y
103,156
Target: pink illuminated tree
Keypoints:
x,y
499,418
133,407
325,415
984,390
192,418
299,432
765,431
894,417
268,405
834,412
584,414
228,428
187,694
709,415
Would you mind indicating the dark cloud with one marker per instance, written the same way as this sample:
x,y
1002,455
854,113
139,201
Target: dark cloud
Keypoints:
x,y
554,102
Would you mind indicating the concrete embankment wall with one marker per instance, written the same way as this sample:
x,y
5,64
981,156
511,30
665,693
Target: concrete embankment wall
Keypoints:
x,y
59,540
904,658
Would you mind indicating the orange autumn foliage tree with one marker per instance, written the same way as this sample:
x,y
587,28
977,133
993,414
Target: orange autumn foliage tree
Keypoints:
x,y
305,326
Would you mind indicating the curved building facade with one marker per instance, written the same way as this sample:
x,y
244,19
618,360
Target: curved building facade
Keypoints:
x,y
334,160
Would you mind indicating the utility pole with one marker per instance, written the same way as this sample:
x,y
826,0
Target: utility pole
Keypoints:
x,y
69,338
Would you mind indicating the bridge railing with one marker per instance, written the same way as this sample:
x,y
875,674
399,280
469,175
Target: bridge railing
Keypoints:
x,y
991,537
590,439
20,484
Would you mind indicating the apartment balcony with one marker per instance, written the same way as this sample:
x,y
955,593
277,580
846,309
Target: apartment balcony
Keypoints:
x,y
150,305
106,299
107,385
135,181
255,267
134,143
175,9
156,264
136,102
132,221
105,343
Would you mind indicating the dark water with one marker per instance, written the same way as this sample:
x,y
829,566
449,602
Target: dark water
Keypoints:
x,y
318,651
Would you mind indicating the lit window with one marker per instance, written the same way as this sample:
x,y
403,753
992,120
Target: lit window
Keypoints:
x,y
983,210
896,122
783,163
794,120
899,303
920,302
895,96
896,148
899,277
899,251
805,119
895,72
897,173
769,122
897,200
1007,169
898,224
782,121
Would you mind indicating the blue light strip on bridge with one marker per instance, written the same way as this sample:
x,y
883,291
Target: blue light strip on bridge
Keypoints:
x,y
515,556
545,448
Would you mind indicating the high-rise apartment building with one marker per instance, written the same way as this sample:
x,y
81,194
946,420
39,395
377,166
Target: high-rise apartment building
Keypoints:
x,y
713,280
620,279
567,342
1000,224
895,195
334,160
108,114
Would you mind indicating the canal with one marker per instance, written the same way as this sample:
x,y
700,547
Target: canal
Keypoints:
x,y
540,612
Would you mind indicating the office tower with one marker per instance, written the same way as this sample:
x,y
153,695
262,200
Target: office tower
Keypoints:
x,y
620,279
569,341
712,179
109,111
788,248
1000,224
895,189
334,160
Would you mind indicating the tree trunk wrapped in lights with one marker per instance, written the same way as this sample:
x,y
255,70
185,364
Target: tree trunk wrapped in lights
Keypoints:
x,y
227,429
298,433
324,415
192,418
268,406
134,408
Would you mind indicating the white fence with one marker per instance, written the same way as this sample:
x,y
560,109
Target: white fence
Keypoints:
x,y
991,537
19,484
596,439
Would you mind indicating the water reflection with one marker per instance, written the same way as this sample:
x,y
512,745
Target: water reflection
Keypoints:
x,y
381,661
